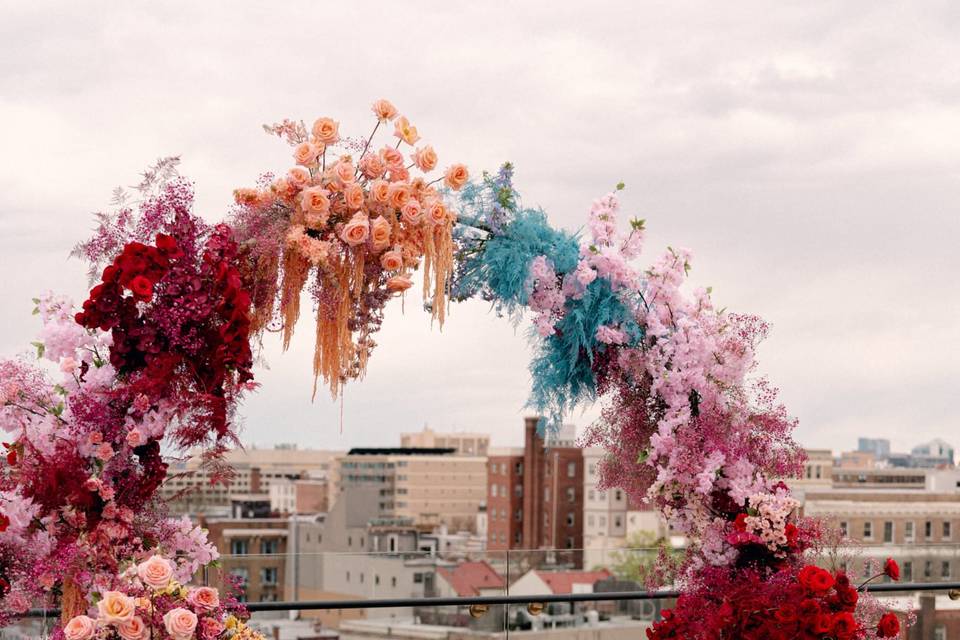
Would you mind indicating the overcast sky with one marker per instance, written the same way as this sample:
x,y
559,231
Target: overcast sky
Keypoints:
x,y
809,154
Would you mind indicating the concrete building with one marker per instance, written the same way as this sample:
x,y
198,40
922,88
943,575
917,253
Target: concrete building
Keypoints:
x,y
604,513
464,443
254,550
188,488
935,453
543,505
879,447
303,495
431,486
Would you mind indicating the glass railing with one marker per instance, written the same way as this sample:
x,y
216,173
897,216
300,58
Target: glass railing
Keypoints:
x,y
420,594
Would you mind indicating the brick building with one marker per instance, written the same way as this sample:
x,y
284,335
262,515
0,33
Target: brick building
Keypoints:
x,y
252,549
535,495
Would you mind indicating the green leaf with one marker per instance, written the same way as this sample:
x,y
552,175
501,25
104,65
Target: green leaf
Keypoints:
x,y
58,410
638,224
59,389
643,457
620,186
41,349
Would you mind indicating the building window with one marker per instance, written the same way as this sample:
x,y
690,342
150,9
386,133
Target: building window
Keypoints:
x,y
927,568
590,520
518,516
518,490
592,495
888,532
503,468
928,529
239,547
503,538
844,529
571,469
618,495
418,578
268,576
908,532
493,491
947,531
546,494
569,543
571,494
518,538
241,574
571,518
393,581
361,578
518,468
348,576
349,541
940,633
907,570
376,580
868,531
269,546
945,569
592,470
617,522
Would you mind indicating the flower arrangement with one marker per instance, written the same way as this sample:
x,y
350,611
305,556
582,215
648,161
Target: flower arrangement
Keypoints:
x,y
148,602
352,222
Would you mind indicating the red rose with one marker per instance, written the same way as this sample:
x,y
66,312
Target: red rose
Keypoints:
x,y
4,522
792,533
787,613
848,597
891,569
12,457
815,579
844,626
740,524
842,580
142,288
889,626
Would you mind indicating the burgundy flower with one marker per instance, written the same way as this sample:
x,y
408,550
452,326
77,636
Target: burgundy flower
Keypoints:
x,y
889,626
891,569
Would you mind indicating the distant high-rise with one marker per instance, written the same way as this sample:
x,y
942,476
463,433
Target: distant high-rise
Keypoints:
x,y
879,447
464,443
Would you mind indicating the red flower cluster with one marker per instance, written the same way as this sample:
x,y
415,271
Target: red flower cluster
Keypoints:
x,y
811,604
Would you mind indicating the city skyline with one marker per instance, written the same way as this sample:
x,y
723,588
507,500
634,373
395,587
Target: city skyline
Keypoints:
x,y
808,157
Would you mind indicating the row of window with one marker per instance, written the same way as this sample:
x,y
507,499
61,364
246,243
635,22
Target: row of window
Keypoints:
x,y
518,515
501,468
269,576
241,546
501,490
376,579
602,495
602,521
909,533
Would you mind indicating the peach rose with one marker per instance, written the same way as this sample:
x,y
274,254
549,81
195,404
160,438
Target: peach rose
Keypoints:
x,y
399,175
392,260
384,110
155,572
114,607
246,196
298,177
356,231
344,171
392,158
398,195
380,233
314,199
456,176
436,212
405,131
206,598
353,196
315,220
411,211
399,283
306,154
133,629
372,166
326,130
425,158
80,628
211,628
380,190
180,623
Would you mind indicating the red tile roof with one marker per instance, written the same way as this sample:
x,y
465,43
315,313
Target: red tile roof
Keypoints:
x,y
561,582
469,577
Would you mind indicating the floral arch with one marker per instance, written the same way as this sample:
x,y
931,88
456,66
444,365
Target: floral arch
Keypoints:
x,y
164,346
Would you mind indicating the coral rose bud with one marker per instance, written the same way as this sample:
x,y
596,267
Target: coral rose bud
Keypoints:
x,y
326,130
456,176
384,110
425,158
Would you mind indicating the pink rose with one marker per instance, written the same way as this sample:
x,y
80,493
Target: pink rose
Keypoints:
x,y
114,607
411,212
206,598
80,628
135,437
380,230
372,166
326,130
298,177
180,623
384,110
425,158
133,629
155,572
456,176
68,365
314,200
399,283
353,196
104,452
392,260
344,171
306,154
405,131
356,231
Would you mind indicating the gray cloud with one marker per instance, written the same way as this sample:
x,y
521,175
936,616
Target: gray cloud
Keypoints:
x,y
809,154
